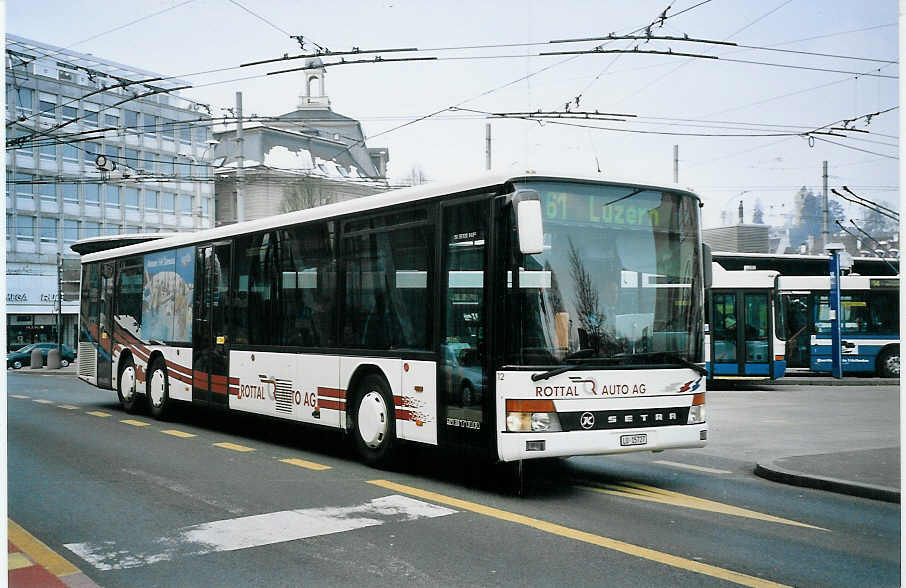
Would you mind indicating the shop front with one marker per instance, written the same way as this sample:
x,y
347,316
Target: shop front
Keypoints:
x,y
31,312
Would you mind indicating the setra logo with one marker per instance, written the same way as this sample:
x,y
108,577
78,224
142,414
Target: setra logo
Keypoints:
x,y
587,420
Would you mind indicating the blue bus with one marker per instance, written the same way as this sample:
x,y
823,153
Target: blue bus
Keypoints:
x,y
870,323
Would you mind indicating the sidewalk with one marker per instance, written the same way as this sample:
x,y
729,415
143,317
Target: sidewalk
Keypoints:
x,y
71,370
30,563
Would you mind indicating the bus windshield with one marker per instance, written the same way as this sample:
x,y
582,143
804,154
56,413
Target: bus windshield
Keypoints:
x,y
618,281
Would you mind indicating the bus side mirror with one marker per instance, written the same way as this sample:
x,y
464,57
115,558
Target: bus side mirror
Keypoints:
x,y
706,263
528,221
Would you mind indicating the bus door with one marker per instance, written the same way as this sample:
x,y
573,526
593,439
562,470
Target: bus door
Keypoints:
x,y
465,409
796,326
210,343
105,327
741,333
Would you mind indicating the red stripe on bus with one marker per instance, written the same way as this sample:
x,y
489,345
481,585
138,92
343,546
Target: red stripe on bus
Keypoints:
x,y
331,404
218,388
234,381
219,379
331,392
403,415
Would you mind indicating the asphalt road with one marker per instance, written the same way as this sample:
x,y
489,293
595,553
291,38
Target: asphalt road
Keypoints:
x,y
205,500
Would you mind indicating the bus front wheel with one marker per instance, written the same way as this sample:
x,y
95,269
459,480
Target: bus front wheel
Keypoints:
x,y
375,422
889,363
158,390
125,386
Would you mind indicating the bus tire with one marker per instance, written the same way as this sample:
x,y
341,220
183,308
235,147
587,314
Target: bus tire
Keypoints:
x,y
889,363
125,386
158,386
374,421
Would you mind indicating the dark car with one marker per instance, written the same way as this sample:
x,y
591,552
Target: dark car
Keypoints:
x,y
22,356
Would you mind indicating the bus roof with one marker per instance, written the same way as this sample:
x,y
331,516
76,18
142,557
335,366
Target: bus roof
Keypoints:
x,y
105,242
493,181
808,283
741,278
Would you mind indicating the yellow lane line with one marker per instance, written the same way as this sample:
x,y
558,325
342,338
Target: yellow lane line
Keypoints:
x,y
135,423
20,396
68,406
575,534
42,401
98,413
38,552
689,466
653,494
180,434
233,446
305,464
16,561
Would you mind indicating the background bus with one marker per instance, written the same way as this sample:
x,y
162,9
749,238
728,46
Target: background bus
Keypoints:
x,y
870,323
527,316
743,342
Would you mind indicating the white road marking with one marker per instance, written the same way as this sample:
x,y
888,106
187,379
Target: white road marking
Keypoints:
x,y
257,530
688,466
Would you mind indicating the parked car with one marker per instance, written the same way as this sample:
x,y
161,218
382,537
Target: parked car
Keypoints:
x,y
464,377
22,356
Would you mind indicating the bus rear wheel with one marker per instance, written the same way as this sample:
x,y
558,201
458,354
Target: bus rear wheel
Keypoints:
x,y
374,422
158,390
125,386
889,363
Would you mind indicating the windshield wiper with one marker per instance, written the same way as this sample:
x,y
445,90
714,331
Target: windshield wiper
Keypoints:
x,y
574,366
670,356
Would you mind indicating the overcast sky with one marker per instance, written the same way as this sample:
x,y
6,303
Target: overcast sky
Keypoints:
x,y
760,100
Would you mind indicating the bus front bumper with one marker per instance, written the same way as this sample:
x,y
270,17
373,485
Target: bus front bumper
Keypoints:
x,y
516,446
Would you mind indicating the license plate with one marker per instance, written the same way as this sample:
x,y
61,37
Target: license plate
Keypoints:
x,y
640,439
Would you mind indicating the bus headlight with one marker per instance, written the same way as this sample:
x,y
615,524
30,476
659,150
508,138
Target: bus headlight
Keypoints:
x,y
523,416
697,411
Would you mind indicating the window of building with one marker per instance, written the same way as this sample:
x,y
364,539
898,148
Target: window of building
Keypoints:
x,y
24,101
70,230
205,207
112,119
131,158
131,120
24,186
91,151
90,114
48,192
25,228
112,152
150,125
70,153
168,128
131,197
151,200
168,202
48,107
112,195
69,112
166,165
185,133
132,229
112,229
184,167
24,148
92,194
201,134
91,229
185,203
48,152
70,192
48,230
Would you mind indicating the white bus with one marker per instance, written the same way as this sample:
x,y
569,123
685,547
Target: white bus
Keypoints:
x,y
523,316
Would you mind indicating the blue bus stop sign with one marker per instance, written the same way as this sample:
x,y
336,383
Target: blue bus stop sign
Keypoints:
x,y
836,354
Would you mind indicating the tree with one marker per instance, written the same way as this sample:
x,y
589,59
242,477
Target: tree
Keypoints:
x,y
306,193
758,214
876,224
416,176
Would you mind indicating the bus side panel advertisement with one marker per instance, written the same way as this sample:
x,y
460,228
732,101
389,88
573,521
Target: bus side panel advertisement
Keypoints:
x,y
168,294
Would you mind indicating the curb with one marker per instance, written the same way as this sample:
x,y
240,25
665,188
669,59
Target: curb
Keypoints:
x,y
775,473
835,382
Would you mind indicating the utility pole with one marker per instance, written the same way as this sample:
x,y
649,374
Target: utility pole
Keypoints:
x,y
487,146
59,304
824,231
240,173
676,164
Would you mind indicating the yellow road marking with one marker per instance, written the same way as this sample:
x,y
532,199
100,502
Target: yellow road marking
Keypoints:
x,y
653,494
42,401
17,561
599,540
135,423
181,434
305,464
68,406
689,466
38,552
98,413
233,446
20,396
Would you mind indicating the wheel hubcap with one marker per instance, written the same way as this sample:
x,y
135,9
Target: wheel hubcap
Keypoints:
x,y
127,383
893,364
157,388
373,419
